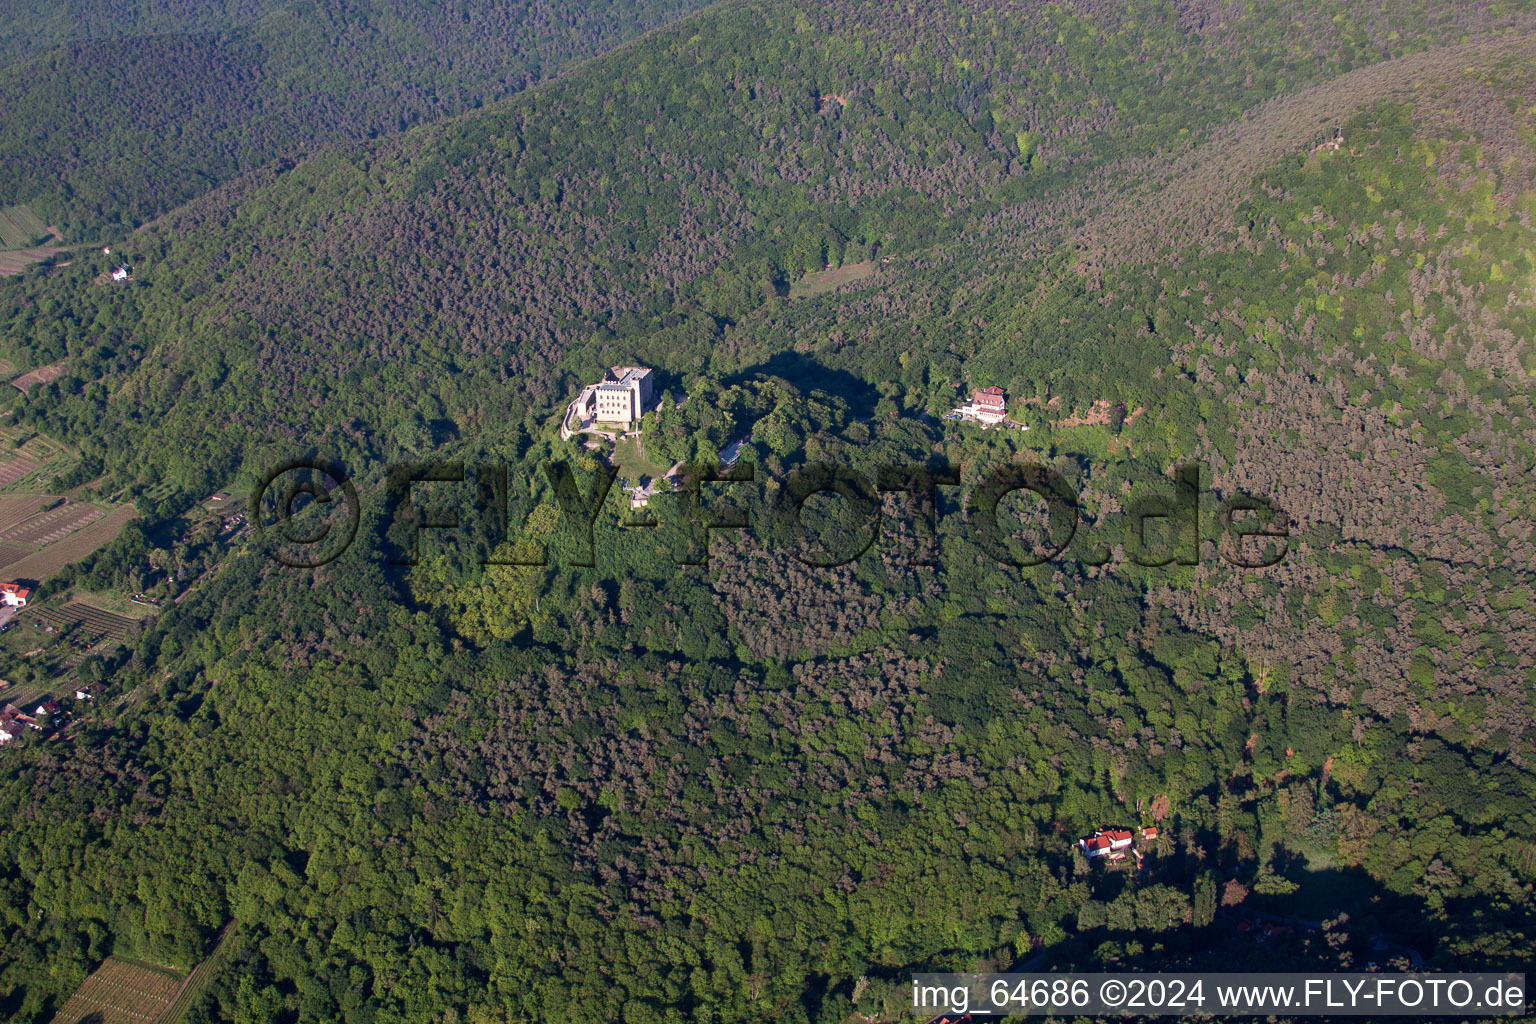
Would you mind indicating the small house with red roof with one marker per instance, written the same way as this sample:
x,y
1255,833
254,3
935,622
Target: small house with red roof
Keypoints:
x,y
1106,842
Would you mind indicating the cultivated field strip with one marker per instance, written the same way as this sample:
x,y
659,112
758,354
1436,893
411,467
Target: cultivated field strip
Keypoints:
x,y
17,260
16,509
119,992
14,469
11,553
20,227
52,525
43,564
27,698
91,620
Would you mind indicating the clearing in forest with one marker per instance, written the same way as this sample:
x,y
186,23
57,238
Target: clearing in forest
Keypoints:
x,y
630,459
118,604
824,281
41,375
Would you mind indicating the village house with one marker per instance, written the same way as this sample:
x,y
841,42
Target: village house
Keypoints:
x,y
13,721
89,691
990,404
122,273
14,595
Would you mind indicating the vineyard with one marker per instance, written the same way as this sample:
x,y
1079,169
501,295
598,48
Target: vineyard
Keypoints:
x,y
92,624
119,992
76,545
20,228
16,509
14,469
51,526
37,540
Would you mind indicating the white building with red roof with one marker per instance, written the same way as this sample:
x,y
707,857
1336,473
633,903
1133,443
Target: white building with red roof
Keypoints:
x,y
988,406
1105,842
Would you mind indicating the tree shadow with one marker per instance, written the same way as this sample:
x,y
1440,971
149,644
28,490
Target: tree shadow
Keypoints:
x,y
809,374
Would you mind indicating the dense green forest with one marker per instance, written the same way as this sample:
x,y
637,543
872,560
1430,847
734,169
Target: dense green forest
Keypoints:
x,y
141,106
28,26
674,774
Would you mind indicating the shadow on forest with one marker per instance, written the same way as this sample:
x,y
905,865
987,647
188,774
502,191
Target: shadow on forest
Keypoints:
x,y
807,374
1325,891
1263,932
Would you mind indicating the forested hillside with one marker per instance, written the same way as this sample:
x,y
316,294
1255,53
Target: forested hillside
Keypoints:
x,y
28,26
148,105
1290,243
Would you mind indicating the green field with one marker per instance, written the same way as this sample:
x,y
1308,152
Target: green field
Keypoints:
x,y
116,603
20,228
629,456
